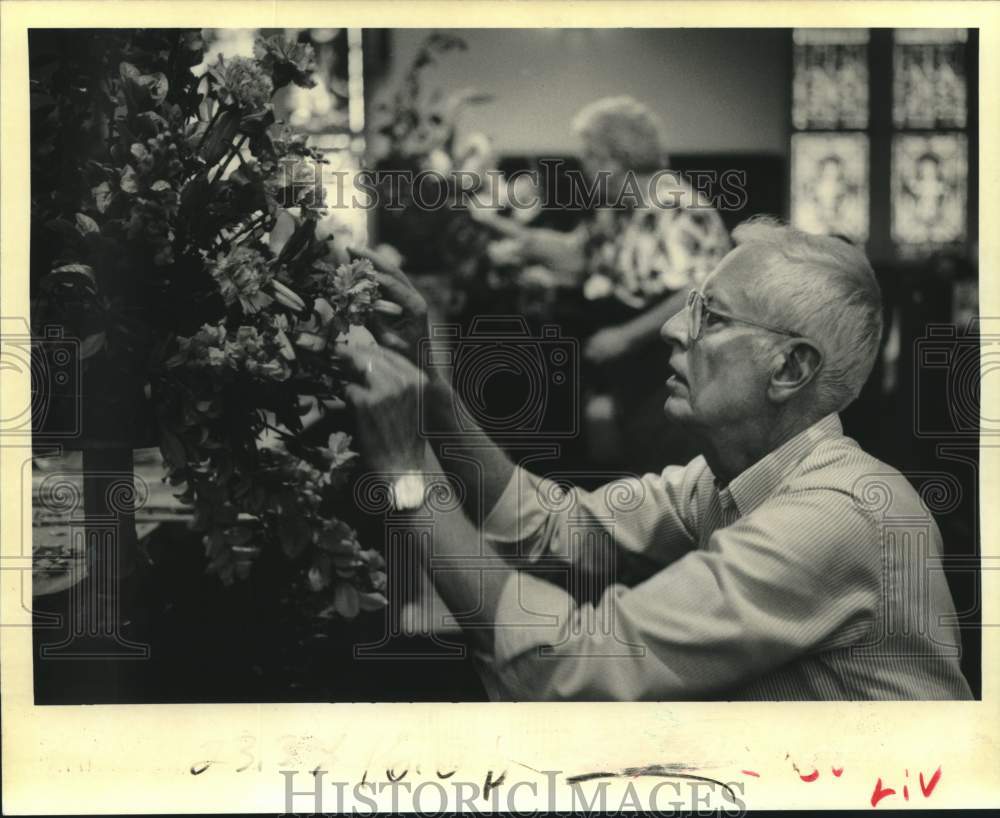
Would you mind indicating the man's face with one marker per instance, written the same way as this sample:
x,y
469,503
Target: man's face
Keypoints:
x,y
720,379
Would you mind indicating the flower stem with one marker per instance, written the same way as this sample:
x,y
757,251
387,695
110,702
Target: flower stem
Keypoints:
x,y
249,229
232,153
208,130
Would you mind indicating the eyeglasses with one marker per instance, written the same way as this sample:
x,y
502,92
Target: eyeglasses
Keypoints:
x,y
698,309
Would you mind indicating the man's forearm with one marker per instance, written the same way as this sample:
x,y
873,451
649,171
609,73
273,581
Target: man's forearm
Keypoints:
x,y
560,251
467,571
471,592
481,467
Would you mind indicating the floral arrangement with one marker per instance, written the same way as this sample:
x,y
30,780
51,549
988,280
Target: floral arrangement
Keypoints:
x,y
174,231
418,125
415,129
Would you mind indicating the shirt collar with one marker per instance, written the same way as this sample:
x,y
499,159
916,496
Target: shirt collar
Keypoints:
x,y
754,485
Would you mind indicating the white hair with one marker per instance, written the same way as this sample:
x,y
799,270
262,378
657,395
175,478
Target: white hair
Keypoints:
x,y
824,288
625,130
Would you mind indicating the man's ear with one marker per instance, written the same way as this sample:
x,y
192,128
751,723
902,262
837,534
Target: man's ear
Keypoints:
x,y
795,369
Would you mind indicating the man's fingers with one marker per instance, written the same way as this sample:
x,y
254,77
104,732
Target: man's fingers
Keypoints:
x,y
354,362
377,261
401,292
395,291
371,366
354,394
398,361
383,328
389,308
394,342
393,282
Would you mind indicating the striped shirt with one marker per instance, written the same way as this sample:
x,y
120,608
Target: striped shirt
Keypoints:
x,y
814,575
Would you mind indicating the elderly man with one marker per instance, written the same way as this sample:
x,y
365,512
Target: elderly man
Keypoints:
x,y
763,569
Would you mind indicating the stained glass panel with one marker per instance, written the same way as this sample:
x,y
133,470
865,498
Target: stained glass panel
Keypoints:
x,y
928,86
832,36
930,35
830,184
830,80
929,179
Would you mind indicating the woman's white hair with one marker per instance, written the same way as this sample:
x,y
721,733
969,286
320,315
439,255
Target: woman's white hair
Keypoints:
x,y
824,288
625,130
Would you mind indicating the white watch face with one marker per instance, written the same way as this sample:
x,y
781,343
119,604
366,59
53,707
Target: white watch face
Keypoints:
x,y
408,491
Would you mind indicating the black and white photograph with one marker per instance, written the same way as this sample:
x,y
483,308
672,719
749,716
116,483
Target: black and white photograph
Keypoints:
x,y
479,365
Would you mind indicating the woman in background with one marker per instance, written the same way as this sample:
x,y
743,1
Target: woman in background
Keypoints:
x,y
648,241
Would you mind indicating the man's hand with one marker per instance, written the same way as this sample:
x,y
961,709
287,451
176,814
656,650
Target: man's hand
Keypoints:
x,y
385,396
401,320
607,346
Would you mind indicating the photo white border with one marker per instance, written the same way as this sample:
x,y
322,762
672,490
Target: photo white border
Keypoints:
x,y
135,759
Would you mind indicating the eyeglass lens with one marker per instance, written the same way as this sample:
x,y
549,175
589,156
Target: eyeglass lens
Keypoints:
x,y
695,305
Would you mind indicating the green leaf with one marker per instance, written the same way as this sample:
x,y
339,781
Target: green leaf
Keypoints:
x,y
72,275
295,535
284,228
373,601
298,242
86,225
346,600
92,344
256,125
156,86
66,231
194,197
127,71
102,196
130,180
220,138
172,449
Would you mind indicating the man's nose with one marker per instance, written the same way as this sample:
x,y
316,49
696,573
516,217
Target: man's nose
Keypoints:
x,y
674,330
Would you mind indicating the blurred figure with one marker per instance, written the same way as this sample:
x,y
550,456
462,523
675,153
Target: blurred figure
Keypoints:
x,y
649,239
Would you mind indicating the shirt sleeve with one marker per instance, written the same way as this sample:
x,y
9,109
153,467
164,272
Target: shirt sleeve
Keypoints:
x,y
692,240
801,574
653,517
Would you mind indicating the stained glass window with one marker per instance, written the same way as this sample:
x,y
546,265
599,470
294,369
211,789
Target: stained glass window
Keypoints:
x,y
929,78
919,140
830,183
830,85
930,35
929,176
